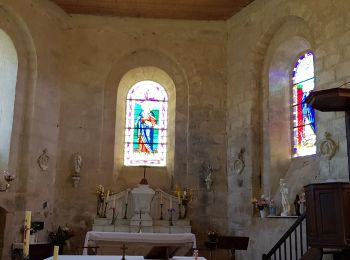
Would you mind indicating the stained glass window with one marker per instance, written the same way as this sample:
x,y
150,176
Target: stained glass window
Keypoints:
x,y
303,115
146,125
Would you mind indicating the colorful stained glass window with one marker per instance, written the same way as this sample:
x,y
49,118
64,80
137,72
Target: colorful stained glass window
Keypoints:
x,y
146,125
303,115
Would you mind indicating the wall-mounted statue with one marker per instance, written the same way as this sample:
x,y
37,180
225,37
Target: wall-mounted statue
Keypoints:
x,y
43,160
77,163
238,164
209,179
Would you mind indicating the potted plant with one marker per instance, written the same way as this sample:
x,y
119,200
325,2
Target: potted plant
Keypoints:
x,y
261,204
213,236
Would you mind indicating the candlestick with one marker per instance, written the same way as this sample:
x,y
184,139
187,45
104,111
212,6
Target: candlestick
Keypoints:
x,y
171,218
126,210
180,211
27,222
114,203
55,252
161,211
126,196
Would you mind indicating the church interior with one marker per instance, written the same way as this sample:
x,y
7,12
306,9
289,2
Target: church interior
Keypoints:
x,y
222,119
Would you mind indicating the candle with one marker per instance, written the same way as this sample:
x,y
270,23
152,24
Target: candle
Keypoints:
x,y
171,204
55,252
126,196
178,197
161,197
27,222
114,202
107,195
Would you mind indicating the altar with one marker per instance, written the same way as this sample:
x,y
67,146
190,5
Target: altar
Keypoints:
x,y
139,243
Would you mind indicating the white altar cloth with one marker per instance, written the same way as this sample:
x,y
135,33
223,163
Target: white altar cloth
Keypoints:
x,y
145,238
110,257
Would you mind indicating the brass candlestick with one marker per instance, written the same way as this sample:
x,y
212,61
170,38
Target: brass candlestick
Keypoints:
x,y
180,211
126,210
161,211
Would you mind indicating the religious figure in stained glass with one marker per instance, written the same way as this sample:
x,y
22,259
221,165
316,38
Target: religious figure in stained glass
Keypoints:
x,y
304,126
146,125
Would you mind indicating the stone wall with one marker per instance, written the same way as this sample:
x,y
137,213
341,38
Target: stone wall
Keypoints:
x,y
69,70
193,55
269,36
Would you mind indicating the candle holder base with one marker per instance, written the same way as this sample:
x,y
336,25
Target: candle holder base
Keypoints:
x,y
126,210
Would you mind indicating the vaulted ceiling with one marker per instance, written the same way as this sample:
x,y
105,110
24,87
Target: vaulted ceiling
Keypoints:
x,y
171,9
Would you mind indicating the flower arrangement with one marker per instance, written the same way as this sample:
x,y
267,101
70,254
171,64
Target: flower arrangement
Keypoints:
x,y
60,236
35,227
261,203
100,191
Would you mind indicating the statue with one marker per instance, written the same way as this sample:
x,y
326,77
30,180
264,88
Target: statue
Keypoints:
x,y
77,163
208,180
284,195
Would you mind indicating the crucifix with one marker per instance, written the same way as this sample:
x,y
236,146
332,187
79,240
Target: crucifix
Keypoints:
x,y
144,180
124,249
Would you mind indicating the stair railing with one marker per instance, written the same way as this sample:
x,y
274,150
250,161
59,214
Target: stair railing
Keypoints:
x,y
292,245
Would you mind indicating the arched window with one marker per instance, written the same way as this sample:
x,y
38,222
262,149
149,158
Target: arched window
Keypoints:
x,y
8,78
303,115
146,125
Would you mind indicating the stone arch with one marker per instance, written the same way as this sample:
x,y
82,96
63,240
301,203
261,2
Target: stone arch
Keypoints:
x,y
159,67
18,160
22,41
293,38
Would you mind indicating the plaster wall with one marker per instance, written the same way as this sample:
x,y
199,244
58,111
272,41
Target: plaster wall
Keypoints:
x,y
269,35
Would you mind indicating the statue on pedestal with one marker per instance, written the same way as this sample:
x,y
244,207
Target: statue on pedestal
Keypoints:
x,y
284,195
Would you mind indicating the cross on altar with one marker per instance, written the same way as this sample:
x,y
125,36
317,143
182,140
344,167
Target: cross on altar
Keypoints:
x,y
144,180
124,249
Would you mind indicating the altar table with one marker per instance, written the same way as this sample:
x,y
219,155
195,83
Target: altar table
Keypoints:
x,y
110,257
141,238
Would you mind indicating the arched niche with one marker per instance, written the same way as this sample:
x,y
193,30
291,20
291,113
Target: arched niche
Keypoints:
x,y
290,41
157,66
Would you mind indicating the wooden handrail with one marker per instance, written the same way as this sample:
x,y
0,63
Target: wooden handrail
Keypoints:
x,y
284,237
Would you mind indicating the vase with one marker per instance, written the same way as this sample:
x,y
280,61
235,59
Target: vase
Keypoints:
x,y
263,213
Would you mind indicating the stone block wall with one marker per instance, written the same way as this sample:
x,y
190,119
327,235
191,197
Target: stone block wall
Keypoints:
x,y
265,37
